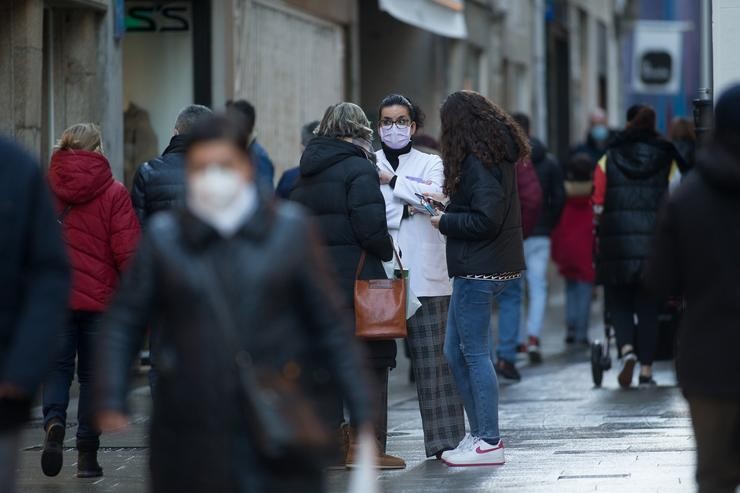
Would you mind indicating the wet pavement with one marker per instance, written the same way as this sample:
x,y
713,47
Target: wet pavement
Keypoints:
x,y
561,434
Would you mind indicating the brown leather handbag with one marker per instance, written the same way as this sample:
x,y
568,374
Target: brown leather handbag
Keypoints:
x,y
380,306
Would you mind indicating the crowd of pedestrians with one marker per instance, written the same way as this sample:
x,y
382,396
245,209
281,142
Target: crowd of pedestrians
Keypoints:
x,y
248,297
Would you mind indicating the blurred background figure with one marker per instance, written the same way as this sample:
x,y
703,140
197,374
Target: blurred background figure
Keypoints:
x,y
101,232
405,174
290,177
630,183
257,154
34,292
537,246
696,257
340,186
682,134
572,248
598,137
249,322
139,141
481,146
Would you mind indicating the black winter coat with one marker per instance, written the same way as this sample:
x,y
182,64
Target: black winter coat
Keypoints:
x,y
697,245
550,176
340,186
274,282
34,280
483,221
159,184
637,171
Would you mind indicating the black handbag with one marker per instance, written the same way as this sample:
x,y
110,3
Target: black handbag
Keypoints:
x,y
281,421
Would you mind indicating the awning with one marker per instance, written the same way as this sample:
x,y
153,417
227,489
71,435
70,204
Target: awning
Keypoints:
x,y
443,17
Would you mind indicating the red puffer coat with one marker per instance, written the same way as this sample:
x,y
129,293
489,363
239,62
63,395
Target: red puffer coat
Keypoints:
x,y
573,237
99,223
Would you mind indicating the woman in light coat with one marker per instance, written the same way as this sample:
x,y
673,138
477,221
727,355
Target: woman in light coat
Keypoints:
x,y
405,174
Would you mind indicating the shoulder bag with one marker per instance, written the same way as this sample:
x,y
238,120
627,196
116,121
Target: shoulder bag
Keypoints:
x,y
380,305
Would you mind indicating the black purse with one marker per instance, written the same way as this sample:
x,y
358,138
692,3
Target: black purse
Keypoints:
x,y
281,420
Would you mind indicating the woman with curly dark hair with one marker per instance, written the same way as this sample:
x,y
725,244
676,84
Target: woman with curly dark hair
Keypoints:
x,y
481,145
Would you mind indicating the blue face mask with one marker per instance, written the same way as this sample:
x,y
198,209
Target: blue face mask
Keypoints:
x,y
599,133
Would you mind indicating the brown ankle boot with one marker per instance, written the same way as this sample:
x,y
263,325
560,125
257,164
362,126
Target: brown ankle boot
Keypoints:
x,y
342,437
383,461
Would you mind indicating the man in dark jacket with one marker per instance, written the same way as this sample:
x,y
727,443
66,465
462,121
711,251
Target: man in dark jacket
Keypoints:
x,y
537,246
159,184
290,177
258,154
696,256
34,290
598,137
241,287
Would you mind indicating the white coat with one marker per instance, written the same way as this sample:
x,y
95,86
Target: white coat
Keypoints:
x,y
422,246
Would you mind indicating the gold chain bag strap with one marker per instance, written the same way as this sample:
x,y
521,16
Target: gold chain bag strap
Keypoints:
x,y
380,305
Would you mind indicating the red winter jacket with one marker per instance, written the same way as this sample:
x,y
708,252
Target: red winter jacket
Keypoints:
x,y
573,237
99,224
530,196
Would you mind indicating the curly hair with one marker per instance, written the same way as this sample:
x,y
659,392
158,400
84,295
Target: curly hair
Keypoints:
x,y
473,124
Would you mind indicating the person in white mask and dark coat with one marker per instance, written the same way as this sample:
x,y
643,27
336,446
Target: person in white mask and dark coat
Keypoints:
x,y
406,175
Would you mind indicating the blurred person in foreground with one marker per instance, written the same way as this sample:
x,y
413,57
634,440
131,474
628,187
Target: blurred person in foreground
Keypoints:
x,y
598,137
261,160
405,174
339,184
695,256
101,232
683,136
290,176
481,146
34,292
572,248
630,182
247,313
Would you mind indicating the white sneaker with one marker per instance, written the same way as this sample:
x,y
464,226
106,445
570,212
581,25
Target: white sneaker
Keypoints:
x,y
481,453
464,445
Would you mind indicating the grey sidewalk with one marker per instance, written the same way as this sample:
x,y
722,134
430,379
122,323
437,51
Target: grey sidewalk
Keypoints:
x,y
561,434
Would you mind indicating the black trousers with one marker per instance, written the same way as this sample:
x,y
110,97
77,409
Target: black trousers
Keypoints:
x,y
717,430
623,303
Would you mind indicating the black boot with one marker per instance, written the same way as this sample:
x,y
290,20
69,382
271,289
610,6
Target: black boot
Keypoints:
x,y
87,459
52,455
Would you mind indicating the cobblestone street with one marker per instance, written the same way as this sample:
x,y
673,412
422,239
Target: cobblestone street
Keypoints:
x,y
561,434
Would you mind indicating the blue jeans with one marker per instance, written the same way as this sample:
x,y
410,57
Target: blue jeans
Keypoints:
x,y
467,349
77,339
578,308
537,256
509,320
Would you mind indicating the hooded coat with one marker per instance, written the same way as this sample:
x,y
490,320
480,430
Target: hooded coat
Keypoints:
x,y
695,254
550,176
573,237
340,186
637,169
98,222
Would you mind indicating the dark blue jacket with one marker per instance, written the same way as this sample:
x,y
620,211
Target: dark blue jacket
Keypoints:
x,y
288,182
265,169
34,279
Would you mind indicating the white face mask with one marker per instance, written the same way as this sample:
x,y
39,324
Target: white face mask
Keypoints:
x,y
221,197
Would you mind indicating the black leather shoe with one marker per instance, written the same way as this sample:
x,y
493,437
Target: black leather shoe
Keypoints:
x,y
507,370
52,455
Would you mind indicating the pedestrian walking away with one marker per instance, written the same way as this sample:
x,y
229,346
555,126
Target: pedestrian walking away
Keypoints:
x,y
258,154
34,292
695,258
406,174
481,145
249,321
290,177
572,248
339,184
630,183
537,246
101,232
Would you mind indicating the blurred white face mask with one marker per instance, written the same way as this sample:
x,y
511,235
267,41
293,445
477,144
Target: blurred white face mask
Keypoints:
x,y
222,198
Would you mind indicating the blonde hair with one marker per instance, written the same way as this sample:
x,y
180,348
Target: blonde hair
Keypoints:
x,y
81,137
345,120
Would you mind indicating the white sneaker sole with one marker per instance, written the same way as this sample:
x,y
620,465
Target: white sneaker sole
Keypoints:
x,y
476,464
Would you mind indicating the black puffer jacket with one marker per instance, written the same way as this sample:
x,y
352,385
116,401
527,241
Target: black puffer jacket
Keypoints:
x,y
696,256
638,165
553,189
341,187
483,222
159,184
276,291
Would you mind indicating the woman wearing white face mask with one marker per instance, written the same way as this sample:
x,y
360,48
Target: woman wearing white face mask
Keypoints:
x,y
244,301
407,173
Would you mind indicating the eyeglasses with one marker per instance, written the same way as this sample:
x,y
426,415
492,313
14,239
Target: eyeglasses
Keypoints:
x,y
402,122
